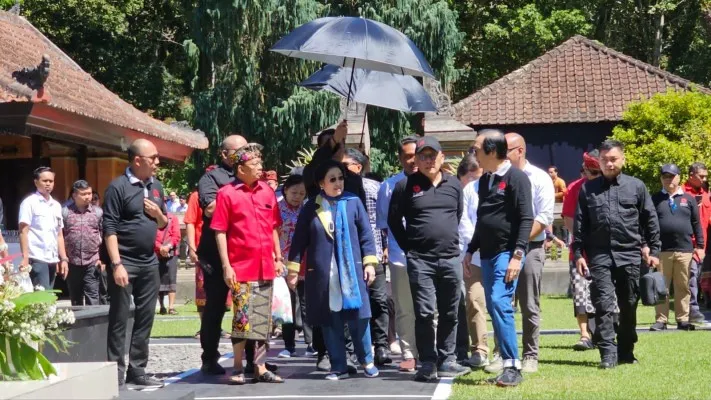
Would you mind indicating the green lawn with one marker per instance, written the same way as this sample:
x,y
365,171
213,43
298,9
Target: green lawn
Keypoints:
x,y
177,326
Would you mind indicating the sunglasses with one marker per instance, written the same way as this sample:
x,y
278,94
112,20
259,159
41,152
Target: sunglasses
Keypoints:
x,y
427,157
337,179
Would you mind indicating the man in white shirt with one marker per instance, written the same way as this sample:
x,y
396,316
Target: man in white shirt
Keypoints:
x,y
395,257
529,285
41,237
474,298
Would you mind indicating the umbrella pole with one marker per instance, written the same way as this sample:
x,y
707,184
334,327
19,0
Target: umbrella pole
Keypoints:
x,y
362,132
350,88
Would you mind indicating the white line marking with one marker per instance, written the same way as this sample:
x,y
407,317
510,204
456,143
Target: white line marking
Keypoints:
x,y
443,389
354,396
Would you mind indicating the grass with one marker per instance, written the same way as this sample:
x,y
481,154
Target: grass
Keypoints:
x,y
169,326
673,365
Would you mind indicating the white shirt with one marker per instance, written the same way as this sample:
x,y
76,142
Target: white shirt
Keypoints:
x,y
543,195
501,171
396,255
470,195
44,218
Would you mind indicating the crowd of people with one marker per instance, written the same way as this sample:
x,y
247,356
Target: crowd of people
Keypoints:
x,y
410,265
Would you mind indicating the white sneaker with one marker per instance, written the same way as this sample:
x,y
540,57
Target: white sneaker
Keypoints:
x,y
529,365
395,348
496,365
285,354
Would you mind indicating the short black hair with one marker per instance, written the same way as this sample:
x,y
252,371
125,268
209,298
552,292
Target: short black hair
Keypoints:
x,y
324,136
494,142
357,156
292,180
467,165
696,167
323,169
610,144
81,184
554,168
95,196
404,142
40,170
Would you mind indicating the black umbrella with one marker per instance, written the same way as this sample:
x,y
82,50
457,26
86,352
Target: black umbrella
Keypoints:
x,y
382,89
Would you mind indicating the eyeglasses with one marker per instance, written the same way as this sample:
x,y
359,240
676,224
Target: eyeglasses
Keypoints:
x,y
513,148
339,179
427,157
153,158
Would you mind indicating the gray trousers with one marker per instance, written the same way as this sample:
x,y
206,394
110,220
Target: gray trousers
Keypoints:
x,y
694,286
529,297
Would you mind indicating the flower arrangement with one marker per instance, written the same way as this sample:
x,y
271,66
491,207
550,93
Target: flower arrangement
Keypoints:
x,y
29,318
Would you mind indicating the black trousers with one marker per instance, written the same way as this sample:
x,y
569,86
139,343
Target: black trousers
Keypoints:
x,y
436,285
143,284
83,283
211,324
298,305
608,281
462,347
379,308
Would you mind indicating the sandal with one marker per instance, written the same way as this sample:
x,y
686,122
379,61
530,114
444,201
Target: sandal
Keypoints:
x,y
172,312
237,378
583,344
269,377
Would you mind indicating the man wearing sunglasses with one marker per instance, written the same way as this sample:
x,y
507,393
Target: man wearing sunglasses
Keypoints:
x,y
697,186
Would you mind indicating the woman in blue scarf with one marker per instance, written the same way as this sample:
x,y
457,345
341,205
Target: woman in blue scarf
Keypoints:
x,y
334,232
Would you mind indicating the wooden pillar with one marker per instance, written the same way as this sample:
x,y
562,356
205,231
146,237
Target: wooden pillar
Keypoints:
x,y
81,162
66,173
36,151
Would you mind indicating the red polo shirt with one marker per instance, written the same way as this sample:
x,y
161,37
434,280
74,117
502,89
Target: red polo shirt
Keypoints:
x,y
249,217
704,208
570,204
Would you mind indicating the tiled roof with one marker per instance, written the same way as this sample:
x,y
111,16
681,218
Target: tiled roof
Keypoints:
x,y
578,81
69,87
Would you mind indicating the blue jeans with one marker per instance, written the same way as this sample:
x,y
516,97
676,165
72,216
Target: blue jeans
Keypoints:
x,y
498,302
335,340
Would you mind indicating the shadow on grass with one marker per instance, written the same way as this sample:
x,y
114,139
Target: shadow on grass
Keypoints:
x,y
570,362
491,381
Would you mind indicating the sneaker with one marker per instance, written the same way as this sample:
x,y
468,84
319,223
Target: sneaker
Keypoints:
x,y
426,373
685,326
529,365
583,344
476,361
658,326
509,377
323,364
212,368
337,376
286,354
496,365
147,382
371,371
697,317
627,359
395,349
451,369
408,365
310,352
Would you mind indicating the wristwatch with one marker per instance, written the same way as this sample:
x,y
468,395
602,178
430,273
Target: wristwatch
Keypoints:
x,y
116,264
518,254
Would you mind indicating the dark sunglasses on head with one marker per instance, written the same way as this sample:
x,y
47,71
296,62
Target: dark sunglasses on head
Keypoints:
x,y
340,178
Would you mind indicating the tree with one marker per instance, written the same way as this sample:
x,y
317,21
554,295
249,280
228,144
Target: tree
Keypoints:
x,y
673,127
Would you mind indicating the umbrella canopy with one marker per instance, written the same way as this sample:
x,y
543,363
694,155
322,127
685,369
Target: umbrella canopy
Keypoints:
x,y
382,89
356,43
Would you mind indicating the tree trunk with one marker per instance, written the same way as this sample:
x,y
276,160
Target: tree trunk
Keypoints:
x,y
658,41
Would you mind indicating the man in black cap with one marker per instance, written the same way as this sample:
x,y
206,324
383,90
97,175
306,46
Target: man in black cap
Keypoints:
x,y
430,201
678,223
614,213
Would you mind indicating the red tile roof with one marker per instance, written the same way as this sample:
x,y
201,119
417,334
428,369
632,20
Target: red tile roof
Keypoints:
x,y
69,87
578,81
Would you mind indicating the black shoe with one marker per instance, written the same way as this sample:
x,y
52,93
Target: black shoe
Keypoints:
x,y
608,362
658,326
685,326
452,369
271,367
323,364
510,376
147,382
163,311
426,373
212,368
627,359
382,357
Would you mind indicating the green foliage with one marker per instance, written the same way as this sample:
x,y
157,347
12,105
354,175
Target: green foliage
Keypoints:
x,y
673,127
181,178
381,164
304,157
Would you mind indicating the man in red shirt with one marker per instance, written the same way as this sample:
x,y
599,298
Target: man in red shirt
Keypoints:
x,y
246,222
696,186
582,305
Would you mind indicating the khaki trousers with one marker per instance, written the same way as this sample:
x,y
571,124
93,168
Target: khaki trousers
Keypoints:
x,y
675,267
476,311
404,310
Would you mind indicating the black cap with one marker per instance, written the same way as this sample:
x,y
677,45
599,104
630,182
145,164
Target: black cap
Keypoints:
x,y
428,141
670,169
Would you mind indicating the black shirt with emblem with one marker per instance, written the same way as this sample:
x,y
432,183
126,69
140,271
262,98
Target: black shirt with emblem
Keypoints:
x,y
208,186
613,219
678,223
125,217
431,215
504,217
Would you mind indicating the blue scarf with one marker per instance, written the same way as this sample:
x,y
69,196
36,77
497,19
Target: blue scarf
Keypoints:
x,y
337,227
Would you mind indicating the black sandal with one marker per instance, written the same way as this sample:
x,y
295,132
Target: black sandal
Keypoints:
x,y
269,377
237,378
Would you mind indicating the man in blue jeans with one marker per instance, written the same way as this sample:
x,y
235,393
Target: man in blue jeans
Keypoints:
x,y
505,216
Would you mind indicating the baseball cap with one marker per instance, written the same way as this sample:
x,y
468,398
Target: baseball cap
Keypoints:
x,y
670,169
428,142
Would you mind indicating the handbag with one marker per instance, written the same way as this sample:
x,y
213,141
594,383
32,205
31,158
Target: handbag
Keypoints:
x,y
653,289
281,302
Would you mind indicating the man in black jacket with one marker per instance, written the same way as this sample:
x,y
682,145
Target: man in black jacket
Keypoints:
x,y
613,213
503,227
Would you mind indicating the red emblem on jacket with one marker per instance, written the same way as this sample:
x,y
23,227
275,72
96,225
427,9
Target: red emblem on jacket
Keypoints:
x,y
156,193
502,185
683,200
416,189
